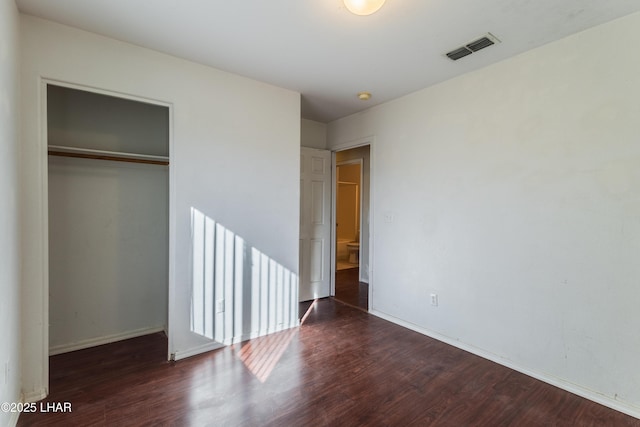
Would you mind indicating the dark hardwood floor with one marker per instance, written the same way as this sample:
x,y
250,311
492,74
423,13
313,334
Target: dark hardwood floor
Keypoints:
x,y
342,367
350,289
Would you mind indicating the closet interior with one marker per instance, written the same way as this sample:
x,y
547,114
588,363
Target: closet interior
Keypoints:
x,y
108,213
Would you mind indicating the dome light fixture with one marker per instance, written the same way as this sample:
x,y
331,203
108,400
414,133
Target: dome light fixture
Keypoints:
x,y
363,7
364,96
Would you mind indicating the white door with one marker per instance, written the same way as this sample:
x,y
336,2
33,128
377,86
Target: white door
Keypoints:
x,y
315,223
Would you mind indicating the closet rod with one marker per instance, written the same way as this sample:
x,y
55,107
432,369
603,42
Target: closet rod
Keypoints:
x,y
86,153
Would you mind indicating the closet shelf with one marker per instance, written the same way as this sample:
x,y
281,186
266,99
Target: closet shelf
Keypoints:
x,y
87,153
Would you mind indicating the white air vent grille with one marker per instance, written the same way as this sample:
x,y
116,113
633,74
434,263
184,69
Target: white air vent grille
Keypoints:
x,y
473,46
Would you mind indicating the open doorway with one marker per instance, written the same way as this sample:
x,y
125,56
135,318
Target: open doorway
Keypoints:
x,y
348,214
352,226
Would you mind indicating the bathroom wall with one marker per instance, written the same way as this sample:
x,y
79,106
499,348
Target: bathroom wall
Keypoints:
x,y
346,211
349,173
348,202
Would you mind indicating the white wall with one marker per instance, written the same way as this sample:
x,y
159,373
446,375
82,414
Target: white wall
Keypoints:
x,y
313,134
9,216
235,158
515,193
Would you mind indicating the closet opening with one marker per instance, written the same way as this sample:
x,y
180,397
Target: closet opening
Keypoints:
x,y
108,217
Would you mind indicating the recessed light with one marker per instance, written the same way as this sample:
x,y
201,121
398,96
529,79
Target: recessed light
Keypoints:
x,y
364,96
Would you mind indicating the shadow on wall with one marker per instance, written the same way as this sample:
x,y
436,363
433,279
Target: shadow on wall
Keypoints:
x,y
238,292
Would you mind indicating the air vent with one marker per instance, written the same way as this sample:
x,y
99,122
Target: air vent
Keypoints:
x,y
480,44
459,53
473,46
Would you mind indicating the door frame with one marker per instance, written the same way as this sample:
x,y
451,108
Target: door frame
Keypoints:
x,y
356,143
44,238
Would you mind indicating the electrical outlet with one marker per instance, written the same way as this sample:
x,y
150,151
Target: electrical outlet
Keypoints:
x,y
434,300
220,306
388,217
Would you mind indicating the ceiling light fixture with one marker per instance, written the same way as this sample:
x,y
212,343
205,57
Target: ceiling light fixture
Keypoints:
x,y
364,96
363,7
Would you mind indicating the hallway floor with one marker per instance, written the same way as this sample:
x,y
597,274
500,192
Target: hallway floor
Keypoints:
x,y
350,290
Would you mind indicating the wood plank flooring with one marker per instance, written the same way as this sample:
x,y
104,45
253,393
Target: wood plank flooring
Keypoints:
x,y
342,367
351,290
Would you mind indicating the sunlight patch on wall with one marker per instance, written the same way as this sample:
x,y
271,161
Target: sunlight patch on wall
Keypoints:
x,y
238,292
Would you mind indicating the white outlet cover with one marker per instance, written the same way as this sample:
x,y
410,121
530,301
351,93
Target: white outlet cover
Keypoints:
x,y
434,300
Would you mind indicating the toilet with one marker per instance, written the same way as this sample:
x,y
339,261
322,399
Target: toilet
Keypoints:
x,y
353,250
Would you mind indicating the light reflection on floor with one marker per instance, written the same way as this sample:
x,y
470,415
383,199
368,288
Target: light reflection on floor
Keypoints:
x,y
261,355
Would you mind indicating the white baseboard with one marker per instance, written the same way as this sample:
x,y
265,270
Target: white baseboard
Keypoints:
x,y
34,396
214,345
252,335
30,397
92,342
607,401
13,420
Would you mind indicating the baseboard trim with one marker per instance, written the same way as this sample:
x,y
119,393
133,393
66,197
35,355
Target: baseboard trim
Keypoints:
x,y
13,420
253,335
34,396
214,345
179,355
93,342
620,406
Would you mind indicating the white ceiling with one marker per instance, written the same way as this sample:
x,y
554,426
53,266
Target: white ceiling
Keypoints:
x,y
318,48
